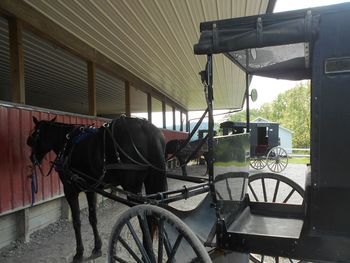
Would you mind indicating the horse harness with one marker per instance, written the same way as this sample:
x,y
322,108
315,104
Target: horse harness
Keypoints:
x,y
62,163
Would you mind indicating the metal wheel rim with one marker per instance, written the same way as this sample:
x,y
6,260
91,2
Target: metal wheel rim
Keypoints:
x,y
277,159
295,189
261,259
262,177
165,247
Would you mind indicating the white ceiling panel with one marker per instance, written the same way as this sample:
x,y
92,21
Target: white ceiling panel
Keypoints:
x,y
154,39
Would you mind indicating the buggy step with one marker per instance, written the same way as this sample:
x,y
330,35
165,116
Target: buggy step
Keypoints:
x,y
264,234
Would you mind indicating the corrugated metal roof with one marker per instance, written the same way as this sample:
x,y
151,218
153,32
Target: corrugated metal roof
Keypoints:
x,y
5,74
154,40
53,77
110,94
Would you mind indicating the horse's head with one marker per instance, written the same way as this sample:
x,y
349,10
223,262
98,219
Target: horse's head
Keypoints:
x,y
39,140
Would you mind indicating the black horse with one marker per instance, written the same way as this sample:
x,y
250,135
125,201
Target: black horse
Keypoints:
x,y
193,150
84,153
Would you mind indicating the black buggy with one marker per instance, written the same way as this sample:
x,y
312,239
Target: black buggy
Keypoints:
x,y
265,149
228,225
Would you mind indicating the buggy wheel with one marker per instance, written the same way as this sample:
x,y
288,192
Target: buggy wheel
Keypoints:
x,y
273,188
277,159
170,240
258,163
267,259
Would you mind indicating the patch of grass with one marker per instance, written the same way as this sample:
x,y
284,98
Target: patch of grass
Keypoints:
x,y
231,163
297,160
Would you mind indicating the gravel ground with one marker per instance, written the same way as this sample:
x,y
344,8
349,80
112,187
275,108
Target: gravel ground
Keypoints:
x,y
56,243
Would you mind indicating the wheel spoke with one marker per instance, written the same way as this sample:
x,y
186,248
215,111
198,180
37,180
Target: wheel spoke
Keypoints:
x,y
118,259
167,244
138,243
219,195
176,246
128,248
253,192
289,195
278,167
276,191
253,258
147,237
228,189
264,189
257,163
274,167
138,219
267,181
277,159
160,239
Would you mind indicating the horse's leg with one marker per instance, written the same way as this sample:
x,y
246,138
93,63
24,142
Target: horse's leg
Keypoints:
x,y
91,198
73,201
183,166
206,158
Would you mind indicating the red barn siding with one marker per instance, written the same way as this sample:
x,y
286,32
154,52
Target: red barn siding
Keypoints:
x,y
15,126
172,135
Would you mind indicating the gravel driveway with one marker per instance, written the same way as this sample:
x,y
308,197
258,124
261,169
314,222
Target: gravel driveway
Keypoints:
x,y
56,243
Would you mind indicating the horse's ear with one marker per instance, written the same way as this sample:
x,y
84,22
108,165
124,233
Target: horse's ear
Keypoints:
x,y
35,120
54,119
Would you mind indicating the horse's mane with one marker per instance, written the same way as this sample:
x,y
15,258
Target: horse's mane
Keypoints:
x,y
63,125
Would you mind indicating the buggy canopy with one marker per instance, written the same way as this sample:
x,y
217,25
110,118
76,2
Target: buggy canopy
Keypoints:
x,y
272,45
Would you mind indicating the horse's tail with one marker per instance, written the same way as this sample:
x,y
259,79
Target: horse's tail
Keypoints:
x,y
156,180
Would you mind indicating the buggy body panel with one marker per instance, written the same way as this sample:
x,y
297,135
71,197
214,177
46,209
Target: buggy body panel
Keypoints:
x,y
316,43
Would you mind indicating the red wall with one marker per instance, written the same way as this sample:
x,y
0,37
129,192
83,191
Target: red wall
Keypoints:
x,y
15,126
172,135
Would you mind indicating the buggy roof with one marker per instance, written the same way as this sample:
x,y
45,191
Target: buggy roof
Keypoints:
x,y
272,45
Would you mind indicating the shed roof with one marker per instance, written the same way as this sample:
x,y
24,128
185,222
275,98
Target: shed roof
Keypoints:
x,y
154,41
260,119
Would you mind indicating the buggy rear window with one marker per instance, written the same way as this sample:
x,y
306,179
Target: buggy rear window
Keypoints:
x,y
260,58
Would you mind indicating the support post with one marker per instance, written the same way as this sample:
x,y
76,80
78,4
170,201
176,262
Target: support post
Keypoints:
x,y
164,114
22,218
127,99
247,101
247,91
210,98
92,87
149,107
66,213
17,61
174,121
188,127
181,120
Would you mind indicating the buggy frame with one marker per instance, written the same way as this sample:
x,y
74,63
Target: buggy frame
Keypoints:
x,y
292,45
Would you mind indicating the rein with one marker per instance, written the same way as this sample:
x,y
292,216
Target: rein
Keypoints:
x,y
37,164
34,184
146,163
62,160
184,144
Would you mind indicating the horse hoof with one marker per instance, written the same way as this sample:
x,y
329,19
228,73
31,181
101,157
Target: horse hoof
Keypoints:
x,y
96,253
78,258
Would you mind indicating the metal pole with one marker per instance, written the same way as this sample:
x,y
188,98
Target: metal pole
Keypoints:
x,y
210,127
247,91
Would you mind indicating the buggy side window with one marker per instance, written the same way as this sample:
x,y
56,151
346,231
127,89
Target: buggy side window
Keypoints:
x,y
337,65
